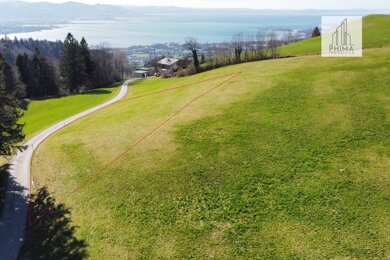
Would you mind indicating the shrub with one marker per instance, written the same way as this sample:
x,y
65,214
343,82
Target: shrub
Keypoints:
x,y
190,70
165,75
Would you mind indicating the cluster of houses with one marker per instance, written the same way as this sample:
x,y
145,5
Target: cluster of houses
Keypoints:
x,y
166,65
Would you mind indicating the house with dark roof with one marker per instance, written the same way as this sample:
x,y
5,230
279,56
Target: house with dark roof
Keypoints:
x,y
169,65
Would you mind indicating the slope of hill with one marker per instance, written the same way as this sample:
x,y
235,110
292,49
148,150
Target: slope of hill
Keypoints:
x,y
376,33
44,113
288,160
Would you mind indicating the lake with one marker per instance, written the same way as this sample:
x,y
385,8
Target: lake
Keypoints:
x,y
124,32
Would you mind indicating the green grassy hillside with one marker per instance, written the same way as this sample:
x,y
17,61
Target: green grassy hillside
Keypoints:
x,y
44,113
376,33
288,160
41,114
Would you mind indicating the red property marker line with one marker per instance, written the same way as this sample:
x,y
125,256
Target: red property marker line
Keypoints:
x,y
31,221
173,88
132,146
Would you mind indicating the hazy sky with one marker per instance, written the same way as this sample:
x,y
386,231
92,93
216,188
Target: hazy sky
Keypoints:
x,y
260,4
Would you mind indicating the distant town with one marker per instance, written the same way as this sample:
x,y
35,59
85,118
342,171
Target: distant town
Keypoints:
x,y
141,55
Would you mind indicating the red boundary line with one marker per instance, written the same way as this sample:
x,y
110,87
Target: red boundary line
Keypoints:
x,y
30,204
173,88
132,146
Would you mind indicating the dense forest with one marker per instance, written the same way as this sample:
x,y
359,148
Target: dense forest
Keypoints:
x,y
40,68
10,48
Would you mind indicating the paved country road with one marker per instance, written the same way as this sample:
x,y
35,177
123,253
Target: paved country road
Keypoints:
x,y
13,219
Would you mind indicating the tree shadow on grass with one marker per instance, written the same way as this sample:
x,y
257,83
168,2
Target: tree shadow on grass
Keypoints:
x,y
97,92
51,234
115,84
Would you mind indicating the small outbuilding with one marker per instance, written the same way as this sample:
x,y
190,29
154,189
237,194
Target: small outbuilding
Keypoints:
x,y
143,73
138,74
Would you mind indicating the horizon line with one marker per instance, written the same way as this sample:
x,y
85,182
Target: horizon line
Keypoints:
x,y
207,8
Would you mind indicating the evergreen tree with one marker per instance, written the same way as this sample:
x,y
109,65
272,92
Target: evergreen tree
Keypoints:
x,y
72,65
316,32
23,65
6,76
10,131
37,74
35,66
47,79
86,57
44,76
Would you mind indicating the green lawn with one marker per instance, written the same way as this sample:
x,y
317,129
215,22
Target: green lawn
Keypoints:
x,y
41,114
289,160
376,33
44,113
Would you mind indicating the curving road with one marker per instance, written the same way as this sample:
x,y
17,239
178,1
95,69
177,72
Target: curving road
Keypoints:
x,y
13,217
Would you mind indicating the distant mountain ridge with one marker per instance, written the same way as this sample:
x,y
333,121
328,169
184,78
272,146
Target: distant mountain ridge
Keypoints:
x,y
39,12
25,17
56,13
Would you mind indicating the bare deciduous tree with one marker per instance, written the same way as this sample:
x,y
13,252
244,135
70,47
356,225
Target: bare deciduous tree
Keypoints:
x,y
260,44
242,47
193,45
289,37
272,44
250,47
103,58
121,62
238,42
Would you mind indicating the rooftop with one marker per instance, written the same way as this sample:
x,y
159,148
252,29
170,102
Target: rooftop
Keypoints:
x,y
168,61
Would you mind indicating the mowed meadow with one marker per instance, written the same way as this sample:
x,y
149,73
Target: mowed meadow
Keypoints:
x,y
376,33
41,114
289,159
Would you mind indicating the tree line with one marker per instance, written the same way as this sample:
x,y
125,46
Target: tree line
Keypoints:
x,y
10,49
242,48
10,130
37,74
60,68
53,237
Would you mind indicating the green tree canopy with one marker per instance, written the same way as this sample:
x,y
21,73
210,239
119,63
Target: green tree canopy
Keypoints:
x,y
86,56
10,131
316,32
37,75
72,64
23,65
44,75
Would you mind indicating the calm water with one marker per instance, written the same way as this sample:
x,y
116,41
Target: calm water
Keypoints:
x,y
161,29
158,28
